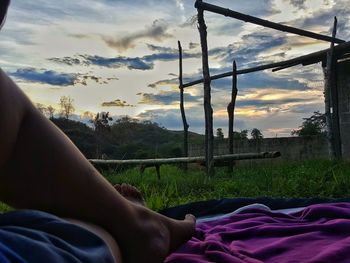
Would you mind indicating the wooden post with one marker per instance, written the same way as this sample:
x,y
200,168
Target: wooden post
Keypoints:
x,y
182,107
331,101
158,171
231,112
208,111
334,95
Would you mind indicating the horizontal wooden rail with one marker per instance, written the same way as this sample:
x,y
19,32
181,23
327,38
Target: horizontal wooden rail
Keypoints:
x,y
263,22
313,57
227,157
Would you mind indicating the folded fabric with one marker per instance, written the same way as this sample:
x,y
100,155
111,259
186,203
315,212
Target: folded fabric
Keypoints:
x,y
33,236
318,233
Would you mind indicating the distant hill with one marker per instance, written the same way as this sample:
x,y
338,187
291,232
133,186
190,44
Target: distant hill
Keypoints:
x,y
127,139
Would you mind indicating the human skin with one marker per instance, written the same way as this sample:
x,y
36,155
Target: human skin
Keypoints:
x,y
40,168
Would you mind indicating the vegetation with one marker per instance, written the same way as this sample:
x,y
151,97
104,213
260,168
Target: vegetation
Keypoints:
x,y
256,134
318,178
219,134
126,138
242,135
67,108
314,125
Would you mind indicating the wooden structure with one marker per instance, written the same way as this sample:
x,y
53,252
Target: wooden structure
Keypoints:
x,y
145,163
182,106
231,111
328,57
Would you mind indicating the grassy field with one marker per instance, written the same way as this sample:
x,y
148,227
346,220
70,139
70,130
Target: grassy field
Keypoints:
x,y
317,178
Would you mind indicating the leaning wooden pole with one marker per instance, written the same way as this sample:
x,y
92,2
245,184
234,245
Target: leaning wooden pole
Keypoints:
x,y
304,60
329,79
182,106
231,112
208,111
265,23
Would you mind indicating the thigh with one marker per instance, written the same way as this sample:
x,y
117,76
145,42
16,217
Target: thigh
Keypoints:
x,y
104,235
35,236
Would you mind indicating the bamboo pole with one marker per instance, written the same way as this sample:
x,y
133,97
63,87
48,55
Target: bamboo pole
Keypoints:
x,y
329,86
161,161
315,57
208,111
182,106
265,23
231,110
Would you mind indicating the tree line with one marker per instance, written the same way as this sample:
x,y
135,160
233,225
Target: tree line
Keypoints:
x,y
129,138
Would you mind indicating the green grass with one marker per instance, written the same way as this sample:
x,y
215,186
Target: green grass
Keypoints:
x,y
317,178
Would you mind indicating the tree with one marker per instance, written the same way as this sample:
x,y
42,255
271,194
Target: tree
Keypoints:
x,y
88,115
101,124
315,125
67,108
242,135
219,133
41,108
256,134
50,110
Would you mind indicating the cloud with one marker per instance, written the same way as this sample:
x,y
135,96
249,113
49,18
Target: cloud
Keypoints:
x,y
116,103
45,77
268,103
157,31
161,49
70,61
169,82
165,98
117,62
171,118
321,20
56,78
180,4
193,45
300,4
247,51
139,63
83,79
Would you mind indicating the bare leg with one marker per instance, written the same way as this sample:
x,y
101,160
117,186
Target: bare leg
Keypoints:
x,y
41,169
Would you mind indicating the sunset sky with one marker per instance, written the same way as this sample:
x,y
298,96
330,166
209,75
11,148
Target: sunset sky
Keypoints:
x,y
121,56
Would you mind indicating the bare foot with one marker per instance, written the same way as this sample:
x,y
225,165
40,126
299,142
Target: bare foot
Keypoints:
x,y
152,236
131,193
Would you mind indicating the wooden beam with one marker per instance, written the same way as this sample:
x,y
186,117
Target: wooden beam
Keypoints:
x,y
262,22
161,161
231,111
315,57
208,110
328,89
332,78
182,106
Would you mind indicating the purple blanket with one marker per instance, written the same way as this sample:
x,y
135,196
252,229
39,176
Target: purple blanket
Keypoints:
x,y
319,233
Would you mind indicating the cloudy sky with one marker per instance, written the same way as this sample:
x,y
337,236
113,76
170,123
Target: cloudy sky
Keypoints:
x,y
121,56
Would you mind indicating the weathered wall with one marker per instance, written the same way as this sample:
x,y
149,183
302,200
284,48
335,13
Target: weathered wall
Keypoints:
x,y
291,148
344,105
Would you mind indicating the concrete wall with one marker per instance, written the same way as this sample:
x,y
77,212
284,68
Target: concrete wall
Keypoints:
x,y
344,105
291,148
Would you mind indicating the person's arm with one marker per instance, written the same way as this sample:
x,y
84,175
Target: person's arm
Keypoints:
x,y
40,168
